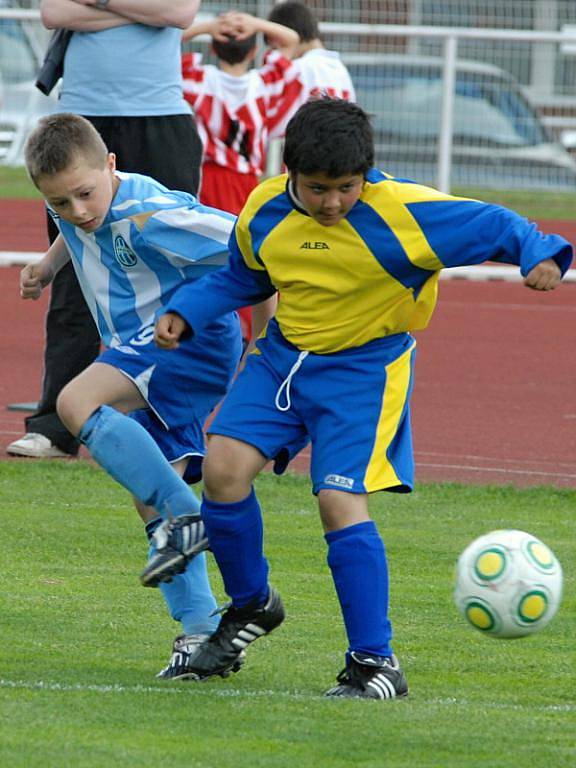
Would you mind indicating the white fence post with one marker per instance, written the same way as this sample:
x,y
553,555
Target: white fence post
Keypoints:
x,y
447,114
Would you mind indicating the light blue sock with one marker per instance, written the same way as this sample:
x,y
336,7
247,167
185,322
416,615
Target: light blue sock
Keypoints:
x,y
129,454
190,599
188,596
357,559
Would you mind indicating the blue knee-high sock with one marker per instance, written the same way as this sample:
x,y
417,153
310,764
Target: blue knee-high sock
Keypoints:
x,y
357,559
188,596
129,454
235,532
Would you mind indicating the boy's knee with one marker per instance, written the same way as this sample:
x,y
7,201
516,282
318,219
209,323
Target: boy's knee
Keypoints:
x,y
226,473
74,410
66,409
218,474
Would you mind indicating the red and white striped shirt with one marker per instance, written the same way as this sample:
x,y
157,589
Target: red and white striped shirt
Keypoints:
x,y
233,113
318,72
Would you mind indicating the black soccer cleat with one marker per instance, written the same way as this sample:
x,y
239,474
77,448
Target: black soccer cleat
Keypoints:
x,y
238,628
175,542
370,677
184,648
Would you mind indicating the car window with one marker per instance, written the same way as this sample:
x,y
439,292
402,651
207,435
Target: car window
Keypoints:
x,y
406,106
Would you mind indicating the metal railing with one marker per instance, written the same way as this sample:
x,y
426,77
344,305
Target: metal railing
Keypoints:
x,y
449,38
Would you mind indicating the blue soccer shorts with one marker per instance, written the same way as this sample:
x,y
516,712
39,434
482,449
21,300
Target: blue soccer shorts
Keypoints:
x,y
181,386
353,407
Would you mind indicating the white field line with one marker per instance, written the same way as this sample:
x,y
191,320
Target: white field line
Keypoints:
x,y
497,470
488,272
508,306
440,455
199,689
504,272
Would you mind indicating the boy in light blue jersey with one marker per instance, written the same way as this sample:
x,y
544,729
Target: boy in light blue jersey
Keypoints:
x,y
138,409
355,256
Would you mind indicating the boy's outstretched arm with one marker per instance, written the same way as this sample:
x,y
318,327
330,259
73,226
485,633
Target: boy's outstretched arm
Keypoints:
x,y
35,277
545,276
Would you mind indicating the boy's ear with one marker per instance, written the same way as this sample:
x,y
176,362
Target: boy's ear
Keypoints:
x,y
111,161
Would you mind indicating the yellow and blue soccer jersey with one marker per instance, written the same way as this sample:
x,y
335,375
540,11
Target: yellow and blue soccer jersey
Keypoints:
x,y
373,274
152,241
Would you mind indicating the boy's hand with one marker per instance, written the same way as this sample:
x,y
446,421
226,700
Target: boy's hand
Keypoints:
x,y
544,276
168,330
33,278
239,25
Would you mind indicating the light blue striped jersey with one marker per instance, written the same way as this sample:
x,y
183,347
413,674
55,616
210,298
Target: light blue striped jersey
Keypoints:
x,y
152,241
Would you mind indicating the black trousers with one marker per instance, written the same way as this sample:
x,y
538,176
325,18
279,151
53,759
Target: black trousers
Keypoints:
x,y
168,149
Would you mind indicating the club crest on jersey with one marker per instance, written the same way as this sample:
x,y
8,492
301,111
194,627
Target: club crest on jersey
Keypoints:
x,y
124,254
315,246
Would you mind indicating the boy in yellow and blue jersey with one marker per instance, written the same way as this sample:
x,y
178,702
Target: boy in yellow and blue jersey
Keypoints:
x,y
355,256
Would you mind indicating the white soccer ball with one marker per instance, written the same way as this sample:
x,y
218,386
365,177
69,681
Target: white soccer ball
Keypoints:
x,y
508,584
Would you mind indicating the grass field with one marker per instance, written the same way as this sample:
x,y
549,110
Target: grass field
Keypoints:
x,y
81,640
14,183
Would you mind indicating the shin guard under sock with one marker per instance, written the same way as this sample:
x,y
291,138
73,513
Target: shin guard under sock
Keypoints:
x,y
235,533
357,559
188,596
129,454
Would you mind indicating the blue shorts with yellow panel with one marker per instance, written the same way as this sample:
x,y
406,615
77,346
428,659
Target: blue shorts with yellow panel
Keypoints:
x,y
352,405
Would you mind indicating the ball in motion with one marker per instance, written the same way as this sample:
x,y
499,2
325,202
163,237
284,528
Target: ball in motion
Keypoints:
x,y
508,584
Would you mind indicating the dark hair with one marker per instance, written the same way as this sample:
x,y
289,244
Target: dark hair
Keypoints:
x,y
331,136
298,17
58,140
234,51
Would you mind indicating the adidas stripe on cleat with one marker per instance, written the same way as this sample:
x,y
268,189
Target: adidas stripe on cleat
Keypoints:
x,y
370,677
184,648
175,543
238,628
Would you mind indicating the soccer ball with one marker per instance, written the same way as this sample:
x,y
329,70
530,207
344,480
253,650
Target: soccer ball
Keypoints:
x,y
508,584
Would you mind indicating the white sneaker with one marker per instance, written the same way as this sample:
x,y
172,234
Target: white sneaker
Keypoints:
x,y
36,446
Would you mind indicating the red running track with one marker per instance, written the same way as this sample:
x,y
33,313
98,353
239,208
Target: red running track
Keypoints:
x,y
494,392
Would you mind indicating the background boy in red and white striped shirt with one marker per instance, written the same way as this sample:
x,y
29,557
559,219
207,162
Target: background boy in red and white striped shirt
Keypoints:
x,y
233,103
317,71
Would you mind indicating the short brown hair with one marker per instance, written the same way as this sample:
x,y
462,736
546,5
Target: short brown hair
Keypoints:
x,y
298,17
59,139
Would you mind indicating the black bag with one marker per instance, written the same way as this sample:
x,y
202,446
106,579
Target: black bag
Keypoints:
x,y
53,66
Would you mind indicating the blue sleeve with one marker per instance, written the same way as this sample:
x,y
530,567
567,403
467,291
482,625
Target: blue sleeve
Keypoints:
x,y
234,286
463,232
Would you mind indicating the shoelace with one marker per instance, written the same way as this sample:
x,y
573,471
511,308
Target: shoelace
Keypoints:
x,y
285,386
221,608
